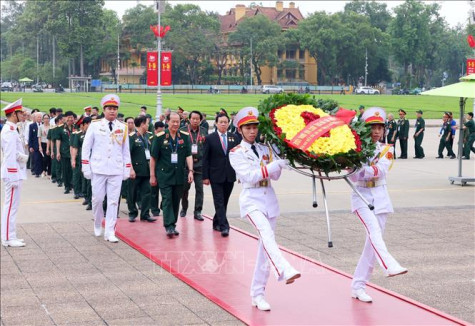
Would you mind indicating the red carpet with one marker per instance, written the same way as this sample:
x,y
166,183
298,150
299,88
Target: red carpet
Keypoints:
x,y
221,269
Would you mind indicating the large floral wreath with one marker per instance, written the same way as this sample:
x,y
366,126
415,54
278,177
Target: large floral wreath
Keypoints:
x,y
315,134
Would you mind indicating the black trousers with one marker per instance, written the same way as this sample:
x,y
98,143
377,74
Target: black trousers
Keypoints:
x,y
46,160
418,146
221,193
36,163
403,144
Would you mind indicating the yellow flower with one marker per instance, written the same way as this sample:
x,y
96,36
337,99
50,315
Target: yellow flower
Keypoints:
x,y
341,138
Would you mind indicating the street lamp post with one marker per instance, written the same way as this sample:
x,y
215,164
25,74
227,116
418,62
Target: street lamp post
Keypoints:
x,y
118,61
366,68
158,112
250,63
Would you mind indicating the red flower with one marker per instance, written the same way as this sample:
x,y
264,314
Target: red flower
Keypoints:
x,y
357,140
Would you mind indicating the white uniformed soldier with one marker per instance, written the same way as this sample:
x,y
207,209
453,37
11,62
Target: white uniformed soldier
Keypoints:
x,y
255,167
13,172
106,161
371,183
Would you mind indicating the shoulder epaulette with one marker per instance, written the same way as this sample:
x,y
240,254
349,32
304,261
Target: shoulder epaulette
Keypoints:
x,y
53,127
184,132
132,133
161,133
60,125
235,148
149,132
151,137
76,132
97,120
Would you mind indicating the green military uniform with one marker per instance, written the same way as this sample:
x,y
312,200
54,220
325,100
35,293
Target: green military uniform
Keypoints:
x,y
64,135
151,128
468,146
444,143
171,175
204,124
55,135
403,135
154,193
420,125
197,139
140,156
85,184
77,184
49,136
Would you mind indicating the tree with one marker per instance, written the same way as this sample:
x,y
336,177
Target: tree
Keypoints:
x,y
377,12
136,26
191,38
415,32
265,35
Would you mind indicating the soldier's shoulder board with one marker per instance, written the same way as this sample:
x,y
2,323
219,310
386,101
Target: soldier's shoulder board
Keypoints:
x,y
132,133
235,148
149,132
161,133
96,120
184,132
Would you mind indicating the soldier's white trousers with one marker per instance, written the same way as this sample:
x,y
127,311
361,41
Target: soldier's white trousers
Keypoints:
x,y
374,248
10,209
268,253
103,185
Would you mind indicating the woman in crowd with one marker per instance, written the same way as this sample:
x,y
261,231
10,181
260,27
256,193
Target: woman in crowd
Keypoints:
x,y
43,141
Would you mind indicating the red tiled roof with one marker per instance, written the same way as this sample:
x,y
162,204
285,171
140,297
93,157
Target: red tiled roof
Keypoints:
x,y
287,18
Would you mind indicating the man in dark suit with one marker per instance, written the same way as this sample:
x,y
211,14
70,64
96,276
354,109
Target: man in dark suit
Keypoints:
x,y
34,146
218,172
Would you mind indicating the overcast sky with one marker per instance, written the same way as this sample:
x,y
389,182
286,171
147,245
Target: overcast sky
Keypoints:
x,y
454,11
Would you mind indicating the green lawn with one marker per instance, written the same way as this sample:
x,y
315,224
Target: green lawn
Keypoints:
x,y
130,103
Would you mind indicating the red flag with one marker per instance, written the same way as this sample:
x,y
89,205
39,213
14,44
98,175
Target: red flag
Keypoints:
x,y
345,115
159,32
166,71
471,41
154,29
152,68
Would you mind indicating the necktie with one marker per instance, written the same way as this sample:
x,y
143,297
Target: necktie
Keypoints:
x,y
255,151
110,125
225,146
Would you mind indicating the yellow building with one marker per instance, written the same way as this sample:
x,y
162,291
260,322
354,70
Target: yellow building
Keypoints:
x,y
132,66
295,65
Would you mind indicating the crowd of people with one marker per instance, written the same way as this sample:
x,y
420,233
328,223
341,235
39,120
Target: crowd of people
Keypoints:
x,y
398,131
102,157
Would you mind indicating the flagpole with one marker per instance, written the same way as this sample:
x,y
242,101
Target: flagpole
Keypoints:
x,y
159,51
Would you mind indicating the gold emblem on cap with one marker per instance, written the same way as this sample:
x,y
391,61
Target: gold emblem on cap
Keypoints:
x,y
376,113
250,113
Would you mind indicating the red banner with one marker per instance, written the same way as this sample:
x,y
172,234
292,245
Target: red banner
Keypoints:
x,y
152,68
166,77
305,138
470,66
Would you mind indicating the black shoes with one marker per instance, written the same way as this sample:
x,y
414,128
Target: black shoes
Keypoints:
x,y
453,157
148,219
216,228
465,158
170,232
175,232
89,207
182,213
76,196
85,202
67,191
131,219
199,217
439,157
60,184
53,180
225,233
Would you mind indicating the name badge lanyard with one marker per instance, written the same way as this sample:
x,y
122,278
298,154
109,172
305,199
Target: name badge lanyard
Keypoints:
x,y
194,144
174,148
145,145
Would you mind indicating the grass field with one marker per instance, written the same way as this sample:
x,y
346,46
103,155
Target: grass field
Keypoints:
x,y
433,106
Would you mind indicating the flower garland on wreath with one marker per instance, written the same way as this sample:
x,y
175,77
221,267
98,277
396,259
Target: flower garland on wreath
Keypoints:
x,y
315,134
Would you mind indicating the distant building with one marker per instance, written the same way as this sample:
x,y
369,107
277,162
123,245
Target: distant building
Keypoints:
x,y
295,65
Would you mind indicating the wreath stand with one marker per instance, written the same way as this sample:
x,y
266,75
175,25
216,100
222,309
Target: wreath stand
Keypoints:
x,y
311,173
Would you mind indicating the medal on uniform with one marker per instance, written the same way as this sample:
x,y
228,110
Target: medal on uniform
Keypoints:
x,y
147,154
194,149
174,158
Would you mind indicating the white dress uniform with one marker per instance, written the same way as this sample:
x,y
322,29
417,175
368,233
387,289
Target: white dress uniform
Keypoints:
x,y
13,172
370,181
106,161
259,204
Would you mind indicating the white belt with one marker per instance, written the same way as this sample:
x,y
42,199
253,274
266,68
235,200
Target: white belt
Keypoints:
x,y
260,184
370,183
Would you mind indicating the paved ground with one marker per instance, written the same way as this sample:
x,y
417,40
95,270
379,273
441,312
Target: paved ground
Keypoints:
x,y
67,276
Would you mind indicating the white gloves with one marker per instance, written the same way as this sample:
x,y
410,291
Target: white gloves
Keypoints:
x,y
87,174
277,165
15,184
